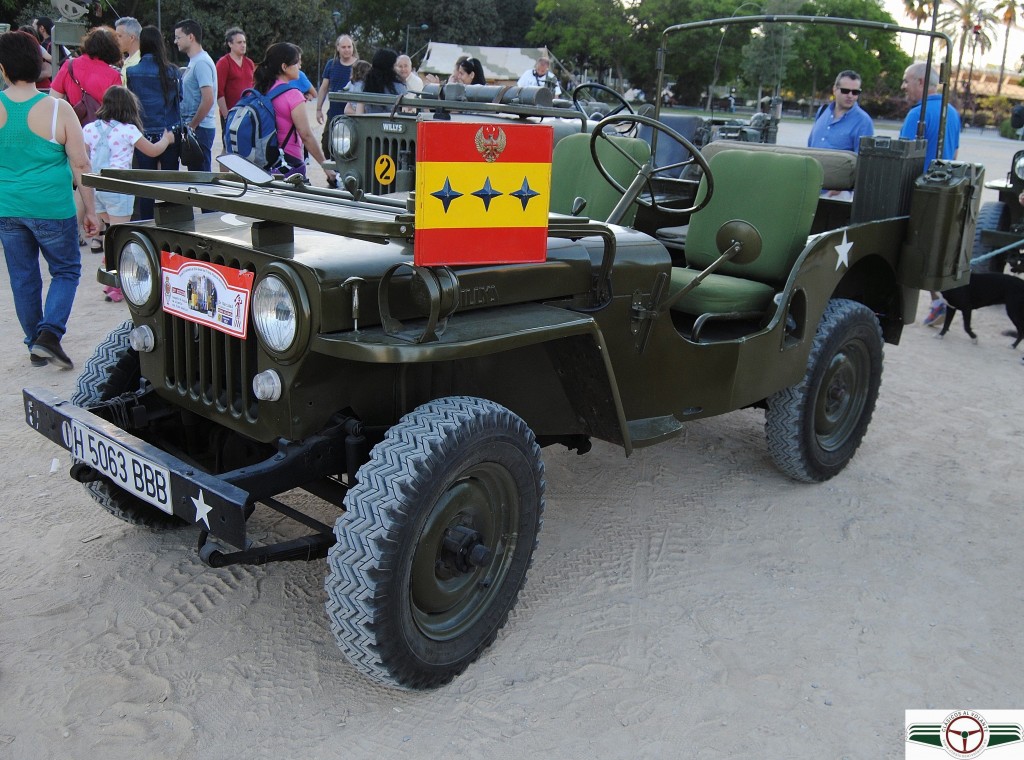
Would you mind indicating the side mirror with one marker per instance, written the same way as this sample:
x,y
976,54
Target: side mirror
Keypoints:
x,y
247,170
738,241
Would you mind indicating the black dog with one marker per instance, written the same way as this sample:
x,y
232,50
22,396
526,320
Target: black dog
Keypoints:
x,y
986,289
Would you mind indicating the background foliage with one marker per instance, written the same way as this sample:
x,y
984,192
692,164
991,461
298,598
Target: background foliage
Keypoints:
x,y
612,41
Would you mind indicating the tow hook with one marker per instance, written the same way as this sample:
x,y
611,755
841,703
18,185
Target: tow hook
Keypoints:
x,y
83,473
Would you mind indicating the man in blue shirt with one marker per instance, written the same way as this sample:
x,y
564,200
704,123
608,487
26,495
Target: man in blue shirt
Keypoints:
x,y
913,87
841,124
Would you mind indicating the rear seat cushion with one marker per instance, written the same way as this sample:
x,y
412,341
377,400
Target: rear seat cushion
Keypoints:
x,y
839,166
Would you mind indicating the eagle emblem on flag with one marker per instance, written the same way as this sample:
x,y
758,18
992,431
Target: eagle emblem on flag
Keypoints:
x,y
490,141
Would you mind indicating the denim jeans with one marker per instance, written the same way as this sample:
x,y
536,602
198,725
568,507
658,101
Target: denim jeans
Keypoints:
x,y
166,161
205,137
23,239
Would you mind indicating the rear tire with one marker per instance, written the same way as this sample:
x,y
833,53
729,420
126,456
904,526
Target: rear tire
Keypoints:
x,y
436,542
113,369
993,216
814,427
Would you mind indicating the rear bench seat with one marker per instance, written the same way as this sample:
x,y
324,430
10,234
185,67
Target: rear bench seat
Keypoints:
x,y
839,167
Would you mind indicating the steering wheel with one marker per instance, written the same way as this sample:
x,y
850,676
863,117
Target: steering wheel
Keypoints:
x,y
623,103
645,195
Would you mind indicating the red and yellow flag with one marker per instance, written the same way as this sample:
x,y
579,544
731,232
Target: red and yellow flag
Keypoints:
x,y
482,193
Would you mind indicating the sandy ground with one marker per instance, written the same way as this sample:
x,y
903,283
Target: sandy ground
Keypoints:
x,y
689,601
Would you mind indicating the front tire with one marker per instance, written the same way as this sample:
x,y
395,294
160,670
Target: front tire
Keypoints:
x,y
114,369
814,427
436,541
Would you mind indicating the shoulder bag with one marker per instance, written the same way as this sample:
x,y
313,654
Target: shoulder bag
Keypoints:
x,y
87,107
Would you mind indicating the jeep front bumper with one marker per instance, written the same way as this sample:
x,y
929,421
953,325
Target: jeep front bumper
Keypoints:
x,y
141,469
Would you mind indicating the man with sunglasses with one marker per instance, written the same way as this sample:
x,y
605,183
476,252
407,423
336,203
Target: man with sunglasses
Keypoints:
x,y
840,124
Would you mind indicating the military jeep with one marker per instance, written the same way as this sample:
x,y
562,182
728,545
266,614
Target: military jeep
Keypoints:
x,y
999,234
375,151
293,338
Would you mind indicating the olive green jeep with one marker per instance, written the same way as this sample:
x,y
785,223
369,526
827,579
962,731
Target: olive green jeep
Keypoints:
x,y
374,151
287,340
999,234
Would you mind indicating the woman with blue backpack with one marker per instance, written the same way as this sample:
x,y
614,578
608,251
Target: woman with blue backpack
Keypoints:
x,y
155,83
273,77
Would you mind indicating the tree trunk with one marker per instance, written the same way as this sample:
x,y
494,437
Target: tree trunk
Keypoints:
x,y
1002,65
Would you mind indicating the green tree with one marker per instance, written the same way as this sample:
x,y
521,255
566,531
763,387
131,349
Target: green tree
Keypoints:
x,y
968,20
584,34
822,51
695,60
918,11
770,50
1008,14
515,21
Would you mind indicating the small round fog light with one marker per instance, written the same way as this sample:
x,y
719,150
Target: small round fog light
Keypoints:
x,y
267,385
142,339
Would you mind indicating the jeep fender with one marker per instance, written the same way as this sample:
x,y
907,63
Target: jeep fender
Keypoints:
x,y
548,364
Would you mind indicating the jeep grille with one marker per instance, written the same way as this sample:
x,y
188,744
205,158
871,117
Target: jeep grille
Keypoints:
x,y
207,365
401,149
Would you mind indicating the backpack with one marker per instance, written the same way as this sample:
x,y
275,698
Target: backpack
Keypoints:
x,y
100,157
250,129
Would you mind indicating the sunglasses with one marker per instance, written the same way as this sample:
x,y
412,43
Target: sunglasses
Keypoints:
x,y
848,91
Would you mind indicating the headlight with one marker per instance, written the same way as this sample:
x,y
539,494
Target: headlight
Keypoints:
x,y
136,268
273,313
343,138
1018,165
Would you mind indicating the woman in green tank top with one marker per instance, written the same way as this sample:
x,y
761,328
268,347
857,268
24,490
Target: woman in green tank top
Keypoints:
x,y
42,158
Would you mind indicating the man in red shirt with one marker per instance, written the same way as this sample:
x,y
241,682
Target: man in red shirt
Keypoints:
x,y
234,73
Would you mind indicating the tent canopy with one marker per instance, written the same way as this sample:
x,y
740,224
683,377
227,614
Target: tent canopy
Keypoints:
x,y
501,64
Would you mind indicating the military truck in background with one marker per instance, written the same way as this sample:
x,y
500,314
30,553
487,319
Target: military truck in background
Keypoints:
x,y
999,234
376,152
306,338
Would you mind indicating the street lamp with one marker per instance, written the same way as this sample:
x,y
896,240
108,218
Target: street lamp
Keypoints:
x,y
421,27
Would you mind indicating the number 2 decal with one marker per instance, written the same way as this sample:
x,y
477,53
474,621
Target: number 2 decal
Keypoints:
x,y
384,169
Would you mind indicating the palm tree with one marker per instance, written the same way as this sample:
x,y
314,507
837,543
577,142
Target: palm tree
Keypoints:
x,y
967,20
917,11
1009,14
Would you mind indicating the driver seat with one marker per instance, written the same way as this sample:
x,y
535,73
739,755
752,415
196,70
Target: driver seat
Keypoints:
x,y
782,212
574,175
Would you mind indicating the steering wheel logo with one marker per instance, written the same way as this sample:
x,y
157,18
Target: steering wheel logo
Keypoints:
x,y
964,734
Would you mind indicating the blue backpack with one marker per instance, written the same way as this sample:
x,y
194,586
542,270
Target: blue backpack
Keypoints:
x,y
250,129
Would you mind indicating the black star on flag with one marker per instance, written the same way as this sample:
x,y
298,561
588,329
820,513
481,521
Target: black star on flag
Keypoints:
x,y
525,193
446,195
487,194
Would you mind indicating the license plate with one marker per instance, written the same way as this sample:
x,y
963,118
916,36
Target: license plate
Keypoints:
x,y
147,480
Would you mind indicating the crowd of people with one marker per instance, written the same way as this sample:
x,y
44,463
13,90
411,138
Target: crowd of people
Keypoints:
x,y
121,103
127,105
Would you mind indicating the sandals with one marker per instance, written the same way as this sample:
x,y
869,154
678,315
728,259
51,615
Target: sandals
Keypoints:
x,y
96,246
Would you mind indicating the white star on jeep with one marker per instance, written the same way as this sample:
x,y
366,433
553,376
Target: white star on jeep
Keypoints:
x,y
202,508
843,249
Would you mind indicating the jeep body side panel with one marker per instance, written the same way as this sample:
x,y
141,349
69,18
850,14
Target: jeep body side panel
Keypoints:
x,y
669,377
521,356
